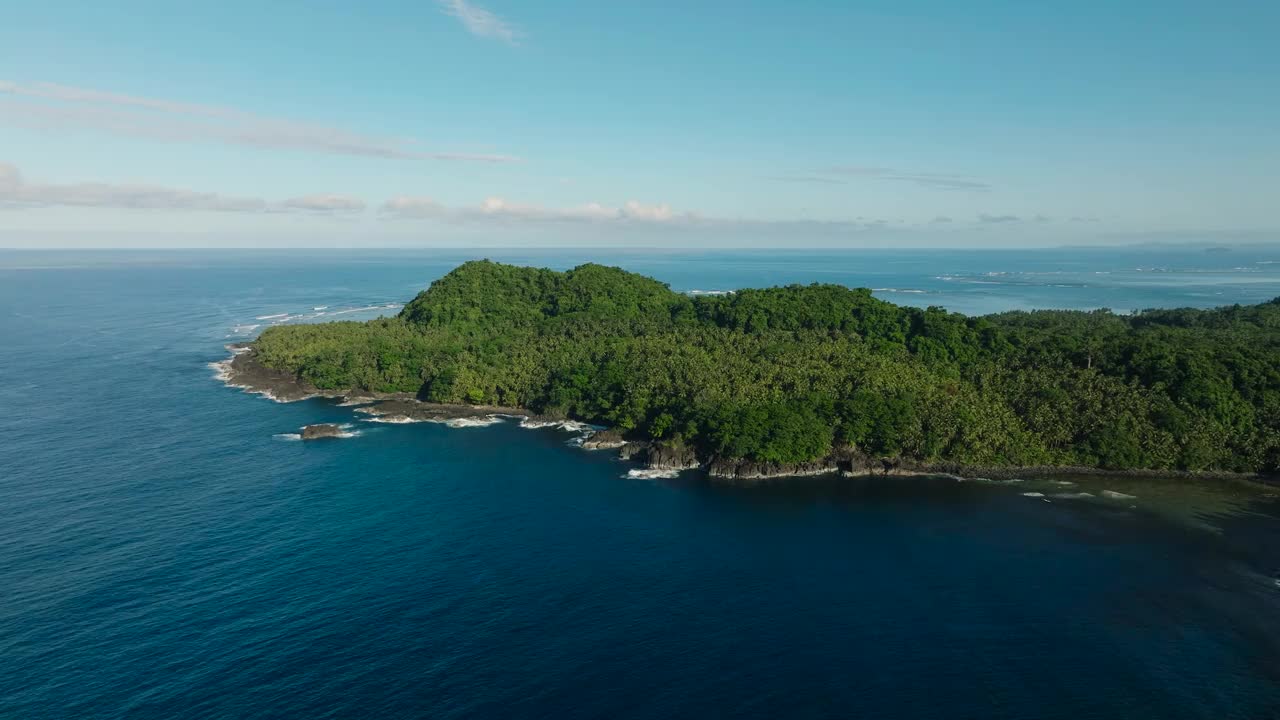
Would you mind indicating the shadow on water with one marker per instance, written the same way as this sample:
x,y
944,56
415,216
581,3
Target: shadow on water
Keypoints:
x,y
1210,549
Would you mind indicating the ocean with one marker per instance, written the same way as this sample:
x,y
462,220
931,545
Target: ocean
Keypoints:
x,y
168,550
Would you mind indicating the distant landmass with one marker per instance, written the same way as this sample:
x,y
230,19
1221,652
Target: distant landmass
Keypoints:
x,y
806,378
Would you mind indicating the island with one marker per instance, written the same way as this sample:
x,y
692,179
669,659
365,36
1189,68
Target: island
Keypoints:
x,y
805,379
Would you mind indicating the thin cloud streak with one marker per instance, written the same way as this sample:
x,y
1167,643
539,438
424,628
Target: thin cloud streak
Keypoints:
x,y
939,181
807,179
845,174
16,193
630,214
496,208
480,22
44,106
325,203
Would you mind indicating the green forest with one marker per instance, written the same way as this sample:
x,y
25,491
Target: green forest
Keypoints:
x,y
788,374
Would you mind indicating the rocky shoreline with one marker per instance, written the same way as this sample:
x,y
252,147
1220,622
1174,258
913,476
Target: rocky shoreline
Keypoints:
x,y
242,370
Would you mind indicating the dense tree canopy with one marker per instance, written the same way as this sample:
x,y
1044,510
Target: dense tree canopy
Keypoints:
x,y
785,374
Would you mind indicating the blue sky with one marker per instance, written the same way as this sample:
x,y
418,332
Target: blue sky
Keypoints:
x,y
511,122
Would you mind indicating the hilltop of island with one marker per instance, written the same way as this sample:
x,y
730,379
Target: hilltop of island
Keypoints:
x,y
810,378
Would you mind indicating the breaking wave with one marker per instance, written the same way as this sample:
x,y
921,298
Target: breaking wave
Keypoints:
x,y
651,474
390,419
1118,495
467,422
567,425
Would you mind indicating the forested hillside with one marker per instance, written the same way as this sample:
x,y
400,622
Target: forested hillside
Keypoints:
x,y
787,374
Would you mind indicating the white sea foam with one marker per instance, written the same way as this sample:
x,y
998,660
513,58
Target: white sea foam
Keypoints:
x,y
468,422
1033,494
322,307
222,373
1062,482
271,317
367,308
244,329
221,370
709,292
389,419
1072,496
354,402
900,290
272,396
567,425
651,473
1118,495
1001,481
287,436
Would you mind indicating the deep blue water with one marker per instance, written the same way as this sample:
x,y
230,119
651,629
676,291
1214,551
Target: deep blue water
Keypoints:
x,y
163,553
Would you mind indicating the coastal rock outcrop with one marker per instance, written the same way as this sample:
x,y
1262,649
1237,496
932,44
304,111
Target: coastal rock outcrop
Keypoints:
x,y
752,470
847,462
604,440
321,431
633,450
664,456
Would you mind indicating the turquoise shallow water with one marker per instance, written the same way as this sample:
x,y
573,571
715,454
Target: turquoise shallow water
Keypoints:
x,y
163,553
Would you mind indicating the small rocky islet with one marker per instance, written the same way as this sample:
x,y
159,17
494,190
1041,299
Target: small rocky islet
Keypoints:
x,y
321,431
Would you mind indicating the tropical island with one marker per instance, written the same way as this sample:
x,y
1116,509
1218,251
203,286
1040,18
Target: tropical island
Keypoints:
x,y
813,378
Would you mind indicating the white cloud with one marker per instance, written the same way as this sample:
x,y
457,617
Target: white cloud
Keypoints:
x,y
46,106
325,202
410,207
636,211
479,21
15,192
997,219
